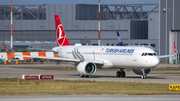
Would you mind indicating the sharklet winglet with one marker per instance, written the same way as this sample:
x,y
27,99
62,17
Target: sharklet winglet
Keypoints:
x,y
175,48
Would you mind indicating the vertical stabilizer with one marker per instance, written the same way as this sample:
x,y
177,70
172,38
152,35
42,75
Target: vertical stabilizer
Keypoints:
x,y
60,34
119,39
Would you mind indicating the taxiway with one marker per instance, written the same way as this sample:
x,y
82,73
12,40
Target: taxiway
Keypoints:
x,y
110,76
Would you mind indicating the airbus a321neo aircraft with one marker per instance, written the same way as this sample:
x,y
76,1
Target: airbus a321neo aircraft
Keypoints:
x,y
89,58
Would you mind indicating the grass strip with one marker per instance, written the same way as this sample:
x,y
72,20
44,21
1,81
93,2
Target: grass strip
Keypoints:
x,y
10,86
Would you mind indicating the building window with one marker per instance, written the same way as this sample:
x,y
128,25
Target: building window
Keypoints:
x,y
136,43
95,44
153,45
144,44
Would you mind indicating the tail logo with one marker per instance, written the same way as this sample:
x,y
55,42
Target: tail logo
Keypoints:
x,y
60,34
60,38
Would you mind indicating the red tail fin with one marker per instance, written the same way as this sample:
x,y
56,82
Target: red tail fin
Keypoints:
x,y
60,34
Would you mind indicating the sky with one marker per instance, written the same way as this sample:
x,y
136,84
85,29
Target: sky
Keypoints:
x,y
40,2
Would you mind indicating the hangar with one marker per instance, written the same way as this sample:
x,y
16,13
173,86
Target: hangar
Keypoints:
x,y
139,24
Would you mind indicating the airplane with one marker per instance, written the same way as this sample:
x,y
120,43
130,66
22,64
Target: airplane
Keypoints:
x,y
89,58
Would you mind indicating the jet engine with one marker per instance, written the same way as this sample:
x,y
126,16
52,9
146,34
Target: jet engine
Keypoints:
x,y
86,68
139,71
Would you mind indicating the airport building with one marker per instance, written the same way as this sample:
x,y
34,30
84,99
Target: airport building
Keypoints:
x,y
139,24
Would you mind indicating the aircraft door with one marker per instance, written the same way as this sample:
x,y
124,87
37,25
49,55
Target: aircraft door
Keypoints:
x,y
101,53
135,55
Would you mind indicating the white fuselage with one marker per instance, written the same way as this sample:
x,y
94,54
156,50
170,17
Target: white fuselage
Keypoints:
x,y
113,56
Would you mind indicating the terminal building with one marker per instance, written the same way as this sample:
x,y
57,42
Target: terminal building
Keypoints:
x,y
156,25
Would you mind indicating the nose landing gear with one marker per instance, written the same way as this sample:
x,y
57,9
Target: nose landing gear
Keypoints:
x,y
82,76
143,74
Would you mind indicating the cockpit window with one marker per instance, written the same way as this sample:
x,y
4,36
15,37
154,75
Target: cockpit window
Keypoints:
x,y
145,54
154,54
142,54
148,54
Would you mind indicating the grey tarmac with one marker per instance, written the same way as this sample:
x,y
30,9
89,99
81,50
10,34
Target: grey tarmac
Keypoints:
x,y
7,72
110,76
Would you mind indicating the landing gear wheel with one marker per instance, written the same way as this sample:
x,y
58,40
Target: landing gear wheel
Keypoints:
x,y
144,74
82,76
144,77
118,73
123,74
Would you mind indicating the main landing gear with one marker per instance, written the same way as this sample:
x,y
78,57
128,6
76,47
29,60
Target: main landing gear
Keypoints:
x,y
143,74
120,73
82,76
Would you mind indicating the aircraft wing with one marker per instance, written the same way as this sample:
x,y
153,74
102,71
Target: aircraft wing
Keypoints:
x,y
171,55
58,58
165,56
54,58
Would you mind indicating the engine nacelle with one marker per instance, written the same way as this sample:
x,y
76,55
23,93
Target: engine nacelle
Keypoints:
x,y
139,71
86,68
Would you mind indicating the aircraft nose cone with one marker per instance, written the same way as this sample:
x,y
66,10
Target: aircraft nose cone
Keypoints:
x,y
155,61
